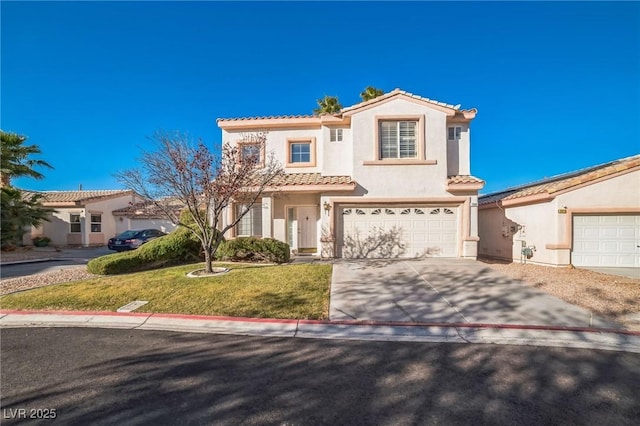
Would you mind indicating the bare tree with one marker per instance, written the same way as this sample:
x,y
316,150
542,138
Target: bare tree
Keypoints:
x,y
179,171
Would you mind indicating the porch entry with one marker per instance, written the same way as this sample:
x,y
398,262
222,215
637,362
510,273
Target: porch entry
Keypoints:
x,y
302,228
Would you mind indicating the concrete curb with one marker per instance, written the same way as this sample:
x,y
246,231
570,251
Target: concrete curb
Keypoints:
x,y
507,334
22,262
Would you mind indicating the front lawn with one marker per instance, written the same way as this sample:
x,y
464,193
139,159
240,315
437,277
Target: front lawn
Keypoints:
x,y
282,291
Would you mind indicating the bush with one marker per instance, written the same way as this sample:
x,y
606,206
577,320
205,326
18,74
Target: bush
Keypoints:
x,y
41,241
179,247
250,249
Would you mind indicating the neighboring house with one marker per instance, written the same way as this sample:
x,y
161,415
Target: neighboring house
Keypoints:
x,y
389,177
81,218
143,215
590,217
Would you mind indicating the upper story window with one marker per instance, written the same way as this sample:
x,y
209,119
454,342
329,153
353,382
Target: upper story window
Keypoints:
x,y
301,152
75,224
250,152
96,222
453,133
398,139
335,135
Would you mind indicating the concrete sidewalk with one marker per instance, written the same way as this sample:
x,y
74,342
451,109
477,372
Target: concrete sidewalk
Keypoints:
x,y
464,333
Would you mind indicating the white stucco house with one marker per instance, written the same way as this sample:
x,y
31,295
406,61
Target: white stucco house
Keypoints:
x,y
389,177
90,218
589,217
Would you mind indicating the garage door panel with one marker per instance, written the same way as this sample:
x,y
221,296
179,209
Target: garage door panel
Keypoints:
x,y
606,240
416,231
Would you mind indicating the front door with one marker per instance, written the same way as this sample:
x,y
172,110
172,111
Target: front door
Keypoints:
x,y
307,229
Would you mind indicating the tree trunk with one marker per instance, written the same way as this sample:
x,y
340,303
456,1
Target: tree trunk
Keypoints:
x,y
208,267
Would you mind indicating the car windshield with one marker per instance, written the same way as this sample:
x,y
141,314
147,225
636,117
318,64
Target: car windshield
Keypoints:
x,y
127,234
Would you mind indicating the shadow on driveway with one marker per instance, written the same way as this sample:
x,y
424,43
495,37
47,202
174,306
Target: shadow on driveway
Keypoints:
x,y
447,291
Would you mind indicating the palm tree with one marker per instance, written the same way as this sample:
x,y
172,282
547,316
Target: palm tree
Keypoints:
x,y
328,105
15,161
370,92
18,209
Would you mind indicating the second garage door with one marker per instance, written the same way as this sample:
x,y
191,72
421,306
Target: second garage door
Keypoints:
x,y
386,232
606,240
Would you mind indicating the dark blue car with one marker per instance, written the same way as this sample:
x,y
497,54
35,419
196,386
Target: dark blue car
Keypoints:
x,y
132,239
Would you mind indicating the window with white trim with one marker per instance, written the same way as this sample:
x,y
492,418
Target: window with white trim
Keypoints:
x,y
96,222
335,135
251,223
398,139
75,225
453,133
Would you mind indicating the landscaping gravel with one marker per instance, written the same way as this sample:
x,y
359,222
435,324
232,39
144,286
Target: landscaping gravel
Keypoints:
x,y
11,285
606,295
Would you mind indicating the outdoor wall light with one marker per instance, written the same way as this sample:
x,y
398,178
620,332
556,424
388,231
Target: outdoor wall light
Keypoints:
x,y
327,207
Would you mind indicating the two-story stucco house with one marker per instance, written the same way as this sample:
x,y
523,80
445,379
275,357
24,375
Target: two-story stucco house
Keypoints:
x,y
389,177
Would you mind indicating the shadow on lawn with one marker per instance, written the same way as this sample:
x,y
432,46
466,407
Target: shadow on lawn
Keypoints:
x,y
136,377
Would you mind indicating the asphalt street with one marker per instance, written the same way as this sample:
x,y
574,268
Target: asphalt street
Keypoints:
x,y
134,377
23,269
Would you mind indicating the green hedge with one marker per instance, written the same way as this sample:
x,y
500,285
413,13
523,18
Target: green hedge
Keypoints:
x,y
179,247
250,249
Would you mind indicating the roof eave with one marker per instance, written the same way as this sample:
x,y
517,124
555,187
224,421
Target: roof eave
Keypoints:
x,y
397,95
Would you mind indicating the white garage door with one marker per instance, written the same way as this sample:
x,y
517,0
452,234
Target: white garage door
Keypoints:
x,y
606,240
386,232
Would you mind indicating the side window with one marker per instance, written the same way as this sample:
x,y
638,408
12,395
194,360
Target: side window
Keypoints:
x,y
96,222
74,223
335,135
453,133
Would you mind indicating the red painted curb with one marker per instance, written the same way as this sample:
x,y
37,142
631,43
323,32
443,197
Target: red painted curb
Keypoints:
x,y
322,322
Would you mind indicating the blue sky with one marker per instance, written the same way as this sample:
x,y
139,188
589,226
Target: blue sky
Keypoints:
x,y
557,85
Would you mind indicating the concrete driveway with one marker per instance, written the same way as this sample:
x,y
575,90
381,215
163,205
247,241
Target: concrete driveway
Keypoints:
x,y
445,291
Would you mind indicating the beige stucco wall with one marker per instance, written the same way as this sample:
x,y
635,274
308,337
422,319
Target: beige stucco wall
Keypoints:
x,y
545,224
400,180
458,152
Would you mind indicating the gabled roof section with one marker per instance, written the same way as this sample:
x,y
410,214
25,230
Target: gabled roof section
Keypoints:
x,y
344,116
79,197
398,93
548,188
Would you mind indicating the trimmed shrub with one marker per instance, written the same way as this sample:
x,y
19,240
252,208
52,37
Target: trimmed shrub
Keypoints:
x,y
250,249
179,247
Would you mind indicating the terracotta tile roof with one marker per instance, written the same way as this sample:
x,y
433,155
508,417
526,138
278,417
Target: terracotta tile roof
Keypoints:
x,y
266,117
396,92
78,197
292,179
564,181
463,179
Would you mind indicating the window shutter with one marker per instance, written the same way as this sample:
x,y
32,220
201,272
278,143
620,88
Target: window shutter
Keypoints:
x,y
388,139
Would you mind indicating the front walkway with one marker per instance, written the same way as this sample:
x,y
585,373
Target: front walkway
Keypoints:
x,y
445,291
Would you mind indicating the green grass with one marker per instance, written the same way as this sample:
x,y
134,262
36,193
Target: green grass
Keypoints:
x,y
282,291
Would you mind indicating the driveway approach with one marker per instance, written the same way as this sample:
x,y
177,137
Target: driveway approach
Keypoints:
x,y
445,291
